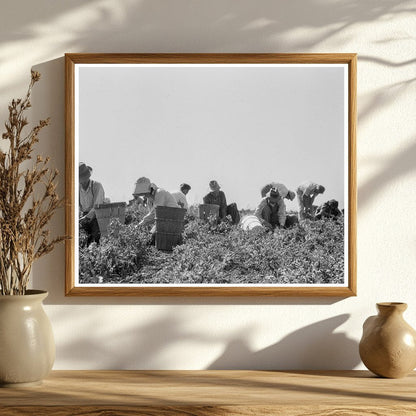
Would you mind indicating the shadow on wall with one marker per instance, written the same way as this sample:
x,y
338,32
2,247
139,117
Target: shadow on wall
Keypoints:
x,y
241,28
313,347
48,100
382,98
150,26
152,23
395,167
141,347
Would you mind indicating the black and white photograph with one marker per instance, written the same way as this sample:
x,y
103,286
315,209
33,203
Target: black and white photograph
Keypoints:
x,y
201,174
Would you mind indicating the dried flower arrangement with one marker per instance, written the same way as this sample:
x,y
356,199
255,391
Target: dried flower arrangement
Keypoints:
x,y
28,199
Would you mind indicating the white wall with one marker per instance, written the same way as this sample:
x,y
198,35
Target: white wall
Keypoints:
x,y
200,333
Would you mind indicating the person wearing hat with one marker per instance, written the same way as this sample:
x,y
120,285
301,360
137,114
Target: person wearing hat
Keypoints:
x,y
155,196
216,197
307,192
329,209
91,193
283,191
272,211
180,196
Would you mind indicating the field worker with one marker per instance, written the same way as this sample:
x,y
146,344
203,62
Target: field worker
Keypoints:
x,y
307,192
156,197
291,219
216,197
328,210
180,196
91,193
283,191
272,211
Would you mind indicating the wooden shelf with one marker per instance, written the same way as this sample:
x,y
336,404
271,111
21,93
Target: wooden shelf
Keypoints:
x,y
203,393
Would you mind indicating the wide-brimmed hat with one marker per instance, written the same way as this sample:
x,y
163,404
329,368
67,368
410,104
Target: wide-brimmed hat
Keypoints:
x,y
84,170
274,193
184,185
142,186
214,186
282,189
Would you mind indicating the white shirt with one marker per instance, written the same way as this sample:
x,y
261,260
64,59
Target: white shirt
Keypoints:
x,y
88,198
162,199
309,189
180,198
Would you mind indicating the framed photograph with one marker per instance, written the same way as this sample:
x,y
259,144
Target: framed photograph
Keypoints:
x,y
211,174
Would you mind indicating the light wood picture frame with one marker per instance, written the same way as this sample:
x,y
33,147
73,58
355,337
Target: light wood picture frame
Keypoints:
x,y
244,120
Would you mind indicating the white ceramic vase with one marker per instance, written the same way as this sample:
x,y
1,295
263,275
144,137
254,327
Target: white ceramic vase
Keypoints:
x,y
27,346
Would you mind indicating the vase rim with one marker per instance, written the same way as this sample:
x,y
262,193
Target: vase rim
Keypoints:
x,y
35,292
32,293
401,306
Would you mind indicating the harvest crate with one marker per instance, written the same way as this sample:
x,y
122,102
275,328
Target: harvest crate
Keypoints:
x,y
107,212
169,227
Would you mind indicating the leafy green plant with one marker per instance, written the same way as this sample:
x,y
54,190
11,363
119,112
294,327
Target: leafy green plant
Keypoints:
x,y
121,253
216,253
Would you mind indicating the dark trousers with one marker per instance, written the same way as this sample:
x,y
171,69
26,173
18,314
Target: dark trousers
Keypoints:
x,y
93,231
232,210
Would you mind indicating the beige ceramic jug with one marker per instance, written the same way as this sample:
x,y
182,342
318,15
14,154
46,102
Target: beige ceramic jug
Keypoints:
x,y
27,347
388,345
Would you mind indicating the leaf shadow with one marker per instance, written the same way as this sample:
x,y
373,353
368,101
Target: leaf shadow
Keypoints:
x,y
315,346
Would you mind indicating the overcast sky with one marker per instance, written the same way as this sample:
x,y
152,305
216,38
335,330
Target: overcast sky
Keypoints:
x,y
244,126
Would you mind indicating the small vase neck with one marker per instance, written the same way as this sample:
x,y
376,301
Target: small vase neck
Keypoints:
x,y
390,308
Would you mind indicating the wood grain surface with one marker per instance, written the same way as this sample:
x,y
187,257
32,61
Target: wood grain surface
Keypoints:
x,y
202,393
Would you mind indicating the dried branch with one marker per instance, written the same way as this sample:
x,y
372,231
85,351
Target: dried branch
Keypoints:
x,y
23,218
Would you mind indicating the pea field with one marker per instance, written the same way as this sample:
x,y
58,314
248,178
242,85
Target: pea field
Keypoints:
x,y
311,252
